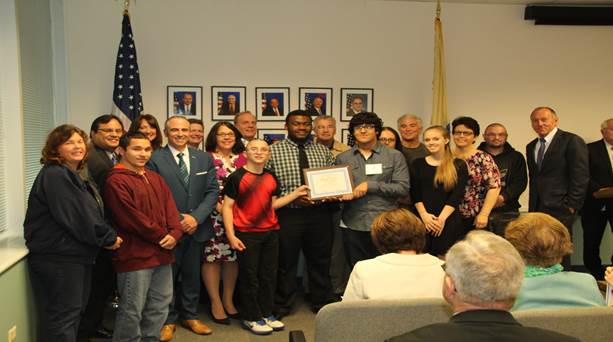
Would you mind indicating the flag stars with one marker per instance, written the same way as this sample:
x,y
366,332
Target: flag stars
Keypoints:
x,y
131,87
120,96
120,66
120,86
121,55
131,56
131,97
131,45
131,107
120,76
131,77
131,66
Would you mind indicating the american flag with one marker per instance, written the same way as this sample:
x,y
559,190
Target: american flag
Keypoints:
x,y
127,98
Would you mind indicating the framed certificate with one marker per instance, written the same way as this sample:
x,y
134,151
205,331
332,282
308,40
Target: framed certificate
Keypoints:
x,y
326,182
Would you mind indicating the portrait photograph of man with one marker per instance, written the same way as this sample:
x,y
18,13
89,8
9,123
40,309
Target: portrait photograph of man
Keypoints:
x,y
355,101
184,101
316,101
227,101
273,103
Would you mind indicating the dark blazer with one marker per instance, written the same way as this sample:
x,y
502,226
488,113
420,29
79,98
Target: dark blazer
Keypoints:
x,y
98,166
192,109
225,109
268,111
562,180
200,197
601,174
481,325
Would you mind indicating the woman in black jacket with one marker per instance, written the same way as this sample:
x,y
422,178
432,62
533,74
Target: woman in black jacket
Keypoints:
x,y
64,229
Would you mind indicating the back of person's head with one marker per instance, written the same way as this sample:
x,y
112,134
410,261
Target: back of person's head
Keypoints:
x,y
366,118
486,270
541,239
398,230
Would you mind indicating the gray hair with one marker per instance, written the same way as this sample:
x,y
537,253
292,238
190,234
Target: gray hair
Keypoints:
x,y
605,123
485,269
324,117
409,116
238,115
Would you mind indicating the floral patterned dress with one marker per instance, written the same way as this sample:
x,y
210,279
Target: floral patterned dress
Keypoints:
x,y
483,175
218,248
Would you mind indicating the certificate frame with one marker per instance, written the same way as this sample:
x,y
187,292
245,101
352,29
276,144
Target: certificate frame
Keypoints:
x,y
320,187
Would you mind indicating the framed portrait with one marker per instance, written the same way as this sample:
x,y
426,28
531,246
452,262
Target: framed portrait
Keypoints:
x,y
185,101
226,101
356,100
346,137
272,135
271,104
316,101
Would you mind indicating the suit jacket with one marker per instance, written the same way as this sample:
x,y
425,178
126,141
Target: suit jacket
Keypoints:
x,y
200,197
601,175
313,112
482,325
98,166
562,180
268,111
225,109
192,110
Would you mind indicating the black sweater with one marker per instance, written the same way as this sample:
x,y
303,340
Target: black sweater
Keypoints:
x,y
513,174
65,219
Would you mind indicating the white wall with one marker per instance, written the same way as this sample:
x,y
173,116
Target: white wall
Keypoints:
x,y
499,66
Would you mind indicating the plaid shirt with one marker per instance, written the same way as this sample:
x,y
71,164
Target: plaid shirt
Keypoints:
x,y
284,163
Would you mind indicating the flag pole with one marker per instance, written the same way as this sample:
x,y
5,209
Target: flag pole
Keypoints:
x,y
439,86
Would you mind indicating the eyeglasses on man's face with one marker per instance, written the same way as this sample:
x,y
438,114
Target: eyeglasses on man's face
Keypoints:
x,y
365,127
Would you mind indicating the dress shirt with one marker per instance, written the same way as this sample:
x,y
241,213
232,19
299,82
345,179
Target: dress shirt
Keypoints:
x,y
548,139
284,162
609,151
384,189
185,152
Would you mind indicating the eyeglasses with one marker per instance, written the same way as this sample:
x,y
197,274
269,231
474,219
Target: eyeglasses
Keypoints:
x,y
364,126
463,133
110,130
226,135
387,140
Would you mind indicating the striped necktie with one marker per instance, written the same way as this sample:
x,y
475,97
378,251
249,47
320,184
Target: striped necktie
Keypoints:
x,y
183,168
540,154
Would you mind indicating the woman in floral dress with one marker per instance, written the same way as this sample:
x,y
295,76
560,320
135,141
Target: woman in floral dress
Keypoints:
x,y
225,146
483,184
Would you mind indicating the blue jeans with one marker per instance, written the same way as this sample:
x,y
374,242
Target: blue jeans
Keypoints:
x,y
144,296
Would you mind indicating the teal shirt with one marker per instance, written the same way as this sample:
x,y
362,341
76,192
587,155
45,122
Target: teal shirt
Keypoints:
x,y
558,290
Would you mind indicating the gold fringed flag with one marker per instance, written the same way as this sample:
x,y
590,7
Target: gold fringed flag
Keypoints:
x,y
439,85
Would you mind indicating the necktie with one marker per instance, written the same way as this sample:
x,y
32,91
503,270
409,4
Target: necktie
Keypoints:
x,y
183,169
540,153
231,108
114,159
276,112
303,161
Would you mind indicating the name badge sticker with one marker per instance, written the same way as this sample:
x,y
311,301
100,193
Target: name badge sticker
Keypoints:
x,y
374,169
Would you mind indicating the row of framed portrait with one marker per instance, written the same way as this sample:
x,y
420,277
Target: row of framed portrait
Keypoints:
x,y
272,103
274,135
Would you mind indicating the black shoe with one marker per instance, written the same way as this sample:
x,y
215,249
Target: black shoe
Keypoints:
x,y
225,321
235,315
102,333
280,313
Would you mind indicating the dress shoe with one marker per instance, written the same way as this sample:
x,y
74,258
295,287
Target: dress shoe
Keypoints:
x,y
235,315
167,332
197,327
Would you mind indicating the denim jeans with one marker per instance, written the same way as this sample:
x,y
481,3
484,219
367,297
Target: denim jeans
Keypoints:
x,y
61,290
144,296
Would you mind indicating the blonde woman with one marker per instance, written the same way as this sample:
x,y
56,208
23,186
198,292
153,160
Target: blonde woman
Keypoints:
x,y
437,188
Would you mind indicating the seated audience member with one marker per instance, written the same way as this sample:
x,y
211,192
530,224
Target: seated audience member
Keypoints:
x,y
148,125
404,270
483,274
608,277
542,241
390,138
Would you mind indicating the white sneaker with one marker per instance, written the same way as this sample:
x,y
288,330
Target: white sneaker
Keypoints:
x,y
274,323
258,327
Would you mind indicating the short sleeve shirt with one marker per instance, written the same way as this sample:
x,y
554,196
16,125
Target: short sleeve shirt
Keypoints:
x,y
252,193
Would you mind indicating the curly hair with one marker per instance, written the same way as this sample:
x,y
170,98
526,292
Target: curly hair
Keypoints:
x,y
55,139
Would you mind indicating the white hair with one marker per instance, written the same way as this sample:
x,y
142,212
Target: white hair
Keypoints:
x,y
485,269
324,117
605,123
409,116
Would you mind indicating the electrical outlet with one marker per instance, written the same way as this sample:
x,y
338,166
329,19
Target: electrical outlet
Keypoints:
x,y
13,334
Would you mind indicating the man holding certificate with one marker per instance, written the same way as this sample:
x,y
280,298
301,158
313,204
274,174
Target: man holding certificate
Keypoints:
x,y
305,224
381,176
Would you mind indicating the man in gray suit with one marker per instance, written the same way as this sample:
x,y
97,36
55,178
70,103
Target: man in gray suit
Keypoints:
x,y
190,175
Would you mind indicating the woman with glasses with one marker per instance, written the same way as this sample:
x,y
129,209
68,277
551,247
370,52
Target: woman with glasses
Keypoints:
x,y
437,188
484,182
390,138
227,150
